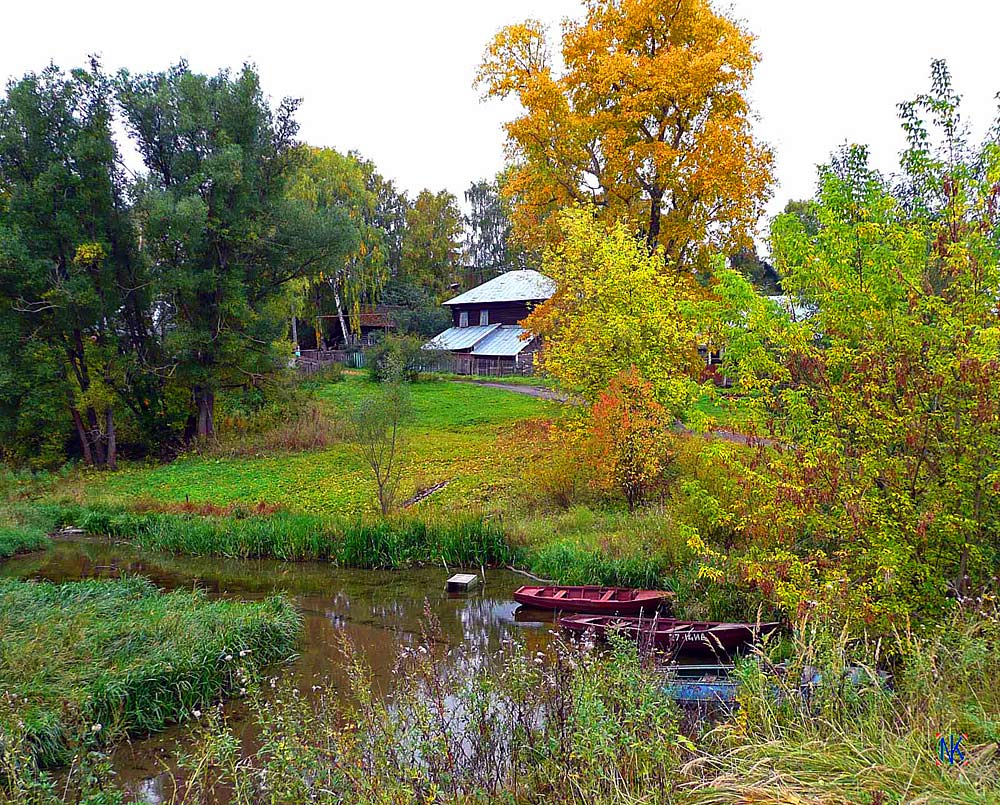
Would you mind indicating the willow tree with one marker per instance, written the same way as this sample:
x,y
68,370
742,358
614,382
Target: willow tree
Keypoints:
x,y
648,120
432,245
327,180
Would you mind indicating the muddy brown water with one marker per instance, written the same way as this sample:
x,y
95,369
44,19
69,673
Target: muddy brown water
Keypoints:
x,y
380,611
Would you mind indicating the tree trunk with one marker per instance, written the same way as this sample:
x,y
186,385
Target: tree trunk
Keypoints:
x,y
295,334
655,213
205,401
340,316
81,432
109,430
96,440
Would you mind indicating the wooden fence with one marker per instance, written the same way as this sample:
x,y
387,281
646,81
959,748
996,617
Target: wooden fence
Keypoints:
x,y
313,360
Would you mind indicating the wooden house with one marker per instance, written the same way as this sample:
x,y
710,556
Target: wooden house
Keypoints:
x,y
486,337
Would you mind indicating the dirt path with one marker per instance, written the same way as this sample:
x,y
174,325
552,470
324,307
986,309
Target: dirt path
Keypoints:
x,y
556,396
517,388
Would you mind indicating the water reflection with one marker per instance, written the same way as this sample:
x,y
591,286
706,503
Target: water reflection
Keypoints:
x,y
378,610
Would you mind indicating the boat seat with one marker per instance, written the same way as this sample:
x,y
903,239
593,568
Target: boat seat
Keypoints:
x,y
560,594
608,595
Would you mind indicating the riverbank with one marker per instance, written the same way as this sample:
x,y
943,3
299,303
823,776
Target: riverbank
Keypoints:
x,y
488,458
575,725
381,612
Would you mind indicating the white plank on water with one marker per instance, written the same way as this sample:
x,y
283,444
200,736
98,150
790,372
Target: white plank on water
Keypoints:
x,y
462,581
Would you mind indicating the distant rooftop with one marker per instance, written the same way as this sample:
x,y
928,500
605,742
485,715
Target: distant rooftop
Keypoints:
x,y
513,286
460,337
798,310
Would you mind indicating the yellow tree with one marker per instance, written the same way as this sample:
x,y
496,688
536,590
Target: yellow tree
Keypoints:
x,y
648,120
617,309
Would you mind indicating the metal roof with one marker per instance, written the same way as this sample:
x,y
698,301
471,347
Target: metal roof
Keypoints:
x,y
505,342
456,338
513,286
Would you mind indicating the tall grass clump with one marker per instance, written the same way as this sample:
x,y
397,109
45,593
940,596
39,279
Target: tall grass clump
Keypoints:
x,y
24,529
569,725
375,544
833,729
89,662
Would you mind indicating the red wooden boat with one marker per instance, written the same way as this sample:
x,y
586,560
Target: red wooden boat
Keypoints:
x,y
596,600
672,634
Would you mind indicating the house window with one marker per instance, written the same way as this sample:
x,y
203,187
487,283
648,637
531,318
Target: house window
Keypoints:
x,y
484,318
463,318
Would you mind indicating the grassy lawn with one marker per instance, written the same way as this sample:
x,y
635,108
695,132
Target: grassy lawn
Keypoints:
x,y
721,409
93,661
460,432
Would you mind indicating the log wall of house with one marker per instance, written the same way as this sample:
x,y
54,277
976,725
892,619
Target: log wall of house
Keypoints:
x,y
500,312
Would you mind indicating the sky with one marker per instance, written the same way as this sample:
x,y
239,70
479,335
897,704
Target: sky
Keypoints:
x,y
393,79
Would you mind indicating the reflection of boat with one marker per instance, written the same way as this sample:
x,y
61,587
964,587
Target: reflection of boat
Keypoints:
x,y
527,614
721,691
597,600
673,634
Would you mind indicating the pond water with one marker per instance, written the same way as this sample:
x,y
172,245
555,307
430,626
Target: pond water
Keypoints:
x,y
379,610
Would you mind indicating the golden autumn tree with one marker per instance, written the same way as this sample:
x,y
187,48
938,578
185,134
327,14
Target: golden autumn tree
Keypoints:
x,y
648,120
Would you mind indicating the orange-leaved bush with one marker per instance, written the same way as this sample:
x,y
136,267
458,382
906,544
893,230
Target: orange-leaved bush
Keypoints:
x,y
630,437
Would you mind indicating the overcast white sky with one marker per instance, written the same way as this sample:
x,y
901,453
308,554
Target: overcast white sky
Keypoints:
x,y
393,78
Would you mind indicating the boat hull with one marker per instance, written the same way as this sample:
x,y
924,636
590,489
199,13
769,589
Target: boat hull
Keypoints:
x,y
670,634
592,600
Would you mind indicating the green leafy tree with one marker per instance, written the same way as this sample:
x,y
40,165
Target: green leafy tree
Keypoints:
x,y
379,435
391,207
807,213
221,230
73,285
432,245
490,247
616,307
759,271
891,392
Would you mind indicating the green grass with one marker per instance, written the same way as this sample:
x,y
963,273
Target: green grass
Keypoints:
x,y
586,546
123,655
865,742
460,432
442,405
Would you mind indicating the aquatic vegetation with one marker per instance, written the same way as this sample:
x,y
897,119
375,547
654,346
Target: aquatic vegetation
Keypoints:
x,y
467,541
858,736
86,663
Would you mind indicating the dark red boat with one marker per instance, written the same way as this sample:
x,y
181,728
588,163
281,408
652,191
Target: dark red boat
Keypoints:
x,y
672,634
596,600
